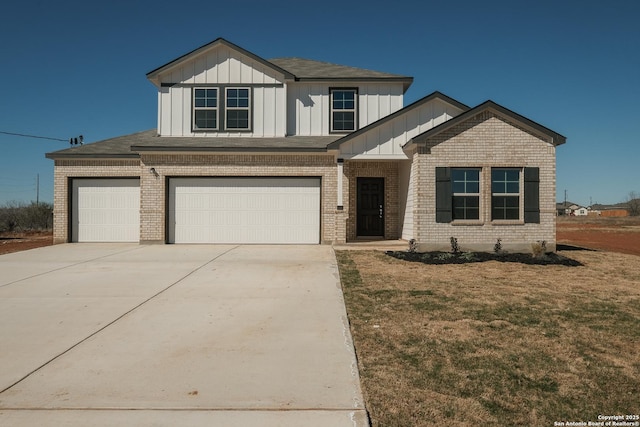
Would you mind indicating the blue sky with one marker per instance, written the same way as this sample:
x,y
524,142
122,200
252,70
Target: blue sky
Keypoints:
x,y
70,68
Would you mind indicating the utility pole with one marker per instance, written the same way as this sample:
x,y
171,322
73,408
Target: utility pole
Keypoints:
x,y
37,189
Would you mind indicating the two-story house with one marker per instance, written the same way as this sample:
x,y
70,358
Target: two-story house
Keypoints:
x,y
291,150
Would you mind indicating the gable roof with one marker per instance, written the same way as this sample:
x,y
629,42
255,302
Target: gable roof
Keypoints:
x,y
554,137
405,110
310,70
153,74
298,69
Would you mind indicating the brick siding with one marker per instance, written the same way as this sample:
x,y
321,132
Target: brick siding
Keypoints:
x,y
153,191
484,141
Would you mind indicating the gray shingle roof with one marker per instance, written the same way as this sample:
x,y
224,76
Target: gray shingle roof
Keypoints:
x,y
128,146
114,147
307,69
310,69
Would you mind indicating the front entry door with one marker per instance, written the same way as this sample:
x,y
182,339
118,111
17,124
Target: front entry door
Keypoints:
x,y
370,207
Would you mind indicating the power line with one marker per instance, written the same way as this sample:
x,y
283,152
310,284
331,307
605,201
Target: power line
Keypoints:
x,y
34,136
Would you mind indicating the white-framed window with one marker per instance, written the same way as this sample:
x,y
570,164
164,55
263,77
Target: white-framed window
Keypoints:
x,y
344,110
465,189
505,193
205,108
237,108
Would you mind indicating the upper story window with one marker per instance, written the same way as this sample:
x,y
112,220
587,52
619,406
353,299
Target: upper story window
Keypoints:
x,y
344,110
205,108
237,108
505,194
233,104
465,186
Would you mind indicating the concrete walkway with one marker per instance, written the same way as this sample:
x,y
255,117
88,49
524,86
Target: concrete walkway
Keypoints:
x,y
189,335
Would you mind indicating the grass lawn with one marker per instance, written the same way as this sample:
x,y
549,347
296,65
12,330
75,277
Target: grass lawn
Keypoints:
x,y
495,343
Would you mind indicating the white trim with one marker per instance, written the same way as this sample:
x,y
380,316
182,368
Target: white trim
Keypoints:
x,y
340,173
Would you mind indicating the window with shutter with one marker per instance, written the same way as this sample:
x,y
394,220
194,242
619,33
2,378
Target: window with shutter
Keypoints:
x,y
443,195
532,195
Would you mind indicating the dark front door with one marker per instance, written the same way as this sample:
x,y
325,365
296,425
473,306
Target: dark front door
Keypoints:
x,y
370,209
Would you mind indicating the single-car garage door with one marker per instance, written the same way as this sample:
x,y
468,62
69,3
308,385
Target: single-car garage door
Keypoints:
x,y
105,210
244,210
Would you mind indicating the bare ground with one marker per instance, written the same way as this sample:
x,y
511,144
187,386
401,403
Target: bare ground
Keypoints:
x,y
609,234
15,242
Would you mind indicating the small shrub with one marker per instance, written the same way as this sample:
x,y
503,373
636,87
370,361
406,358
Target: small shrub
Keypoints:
x,y
497,248
413,246
455,248
539,248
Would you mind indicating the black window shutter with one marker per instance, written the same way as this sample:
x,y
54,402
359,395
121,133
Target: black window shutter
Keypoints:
x,y
443,195
532,195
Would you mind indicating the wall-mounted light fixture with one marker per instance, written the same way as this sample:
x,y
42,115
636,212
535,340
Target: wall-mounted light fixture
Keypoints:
x,y
154,172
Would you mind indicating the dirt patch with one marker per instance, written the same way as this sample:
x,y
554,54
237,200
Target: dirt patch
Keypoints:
x,y
608,234
15,242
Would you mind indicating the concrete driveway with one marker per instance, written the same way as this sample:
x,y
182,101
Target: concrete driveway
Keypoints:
x,y
189,335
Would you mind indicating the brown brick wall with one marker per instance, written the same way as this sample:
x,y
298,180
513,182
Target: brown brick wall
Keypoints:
x,y
388,170
485,141
153,188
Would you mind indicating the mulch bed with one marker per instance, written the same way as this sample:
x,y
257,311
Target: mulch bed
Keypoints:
x,y
438,258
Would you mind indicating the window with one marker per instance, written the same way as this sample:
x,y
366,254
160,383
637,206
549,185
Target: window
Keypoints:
x,y
465,186
343,110
237,108
231,104
205,108
505,194
514,196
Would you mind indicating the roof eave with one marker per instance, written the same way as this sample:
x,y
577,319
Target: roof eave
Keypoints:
x,y
178,149
69,156
553,137
406,81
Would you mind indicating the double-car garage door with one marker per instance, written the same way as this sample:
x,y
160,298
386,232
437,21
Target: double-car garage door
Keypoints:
x,y
202,210
244,210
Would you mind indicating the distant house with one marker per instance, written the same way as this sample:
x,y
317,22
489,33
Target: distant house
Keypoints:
x,y
291,150
580,211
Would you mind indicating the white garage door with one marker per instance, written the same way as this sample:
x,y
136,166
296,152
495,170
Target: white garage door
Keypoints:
x,y
244,210
105,210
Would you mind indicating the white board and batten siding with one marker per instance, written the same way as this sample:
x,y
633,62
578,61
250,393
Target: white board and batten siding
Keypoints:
x,y
222,66
308,105
105,210
236,210
386,141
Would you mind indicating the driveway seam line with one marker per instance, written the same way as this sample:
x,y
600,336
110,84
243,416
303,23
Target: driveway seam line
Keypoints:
x,y
71,265
116,319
